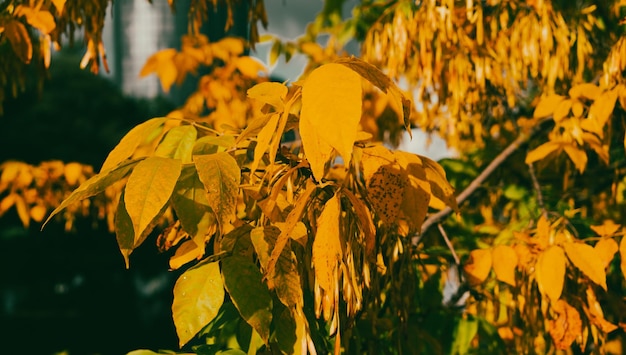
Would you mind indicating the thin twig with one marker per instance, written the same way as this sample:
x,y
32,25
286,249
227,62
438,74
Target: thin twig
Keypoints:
x,y
474,185
449,243
537,187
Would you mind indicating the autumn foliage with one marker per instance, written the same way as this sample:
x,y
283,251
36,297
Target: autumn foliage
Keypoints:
x,y
325,241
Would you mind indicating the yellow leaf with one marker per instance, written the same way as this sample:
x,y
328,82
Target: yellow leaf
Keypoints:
x,y
562,110
478,266
605,249
263,141
186,252
585,90
365,221
566,327
385,192
578,156
596,315
547,105
19,39
327,244
504,263
439,185
37,213
269,93
577,109
59,5
541,152
373,158
162,63
331,105
41,20
317,151
249,66
550,272
607,229
585,258
601,110
622,253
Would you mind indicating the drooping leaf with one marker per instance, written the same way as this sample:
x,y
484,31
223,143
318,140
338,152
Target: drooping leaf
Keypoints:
x,y
263,141
39,19
504,263
244,284
385,192
270,93
478,266
602,108
439,185
584,257
331,97
124,232
149,188
327,251
577,155
541,151
95,185
550,272
136,136
178,143
365,221
198,296
317,151
606,248
547,105
20,40
220,175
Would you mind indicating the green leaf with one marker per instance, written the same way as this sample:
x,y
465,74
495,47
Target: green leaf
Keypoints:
x,y
149,187
243,281
135,137
466,330
95,185
331,97
220,176
198,296
178,143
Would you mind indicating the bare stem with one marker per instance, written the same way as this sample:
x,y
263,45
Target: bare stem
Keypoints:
x,y
449,243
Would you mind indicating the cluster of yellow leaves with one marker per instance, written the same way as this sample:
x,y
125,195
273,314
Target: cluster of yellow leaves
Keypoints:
x,y
548,257
582,120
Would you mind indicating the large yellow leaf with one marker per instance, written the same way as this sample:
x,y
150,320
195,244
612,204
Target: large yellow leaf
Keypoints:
x,y
478,266
373,158
562,110
327,244
439,185
585,90
585,258
331,105
220,175
550,272
504,263
547,105
20,40
605,249
541,152
178,143
317,151
270,93
602,108
149,187
40,19
385,192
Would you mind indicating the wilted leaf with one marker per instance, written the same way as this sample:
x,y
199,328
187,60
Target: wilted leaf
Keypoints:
x,y
331,97
541,151
566,327
327,244
550,272
220,175
244,284
135,137
547,105
270,93
19,39
198,296
504,263
365,221
605,249
596,315
584,257
478,266
178,143
149,187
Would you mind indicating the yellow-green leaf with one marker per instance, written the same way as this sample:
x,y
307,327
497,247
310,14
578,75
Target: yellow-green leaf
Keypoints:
x,y
504,263
541,152
606,248
198,296
331,105
478,266
149,188
178,143
135,137
547,105
584,257
550,272
327,244
220,175
270,93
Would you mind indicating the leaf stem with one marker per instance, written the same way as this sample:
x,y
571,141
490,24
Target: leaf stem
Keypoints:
x,y
537,187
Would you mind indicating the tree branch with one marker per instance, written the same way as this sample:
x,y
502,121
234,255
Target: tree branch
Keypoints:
x,y
474,185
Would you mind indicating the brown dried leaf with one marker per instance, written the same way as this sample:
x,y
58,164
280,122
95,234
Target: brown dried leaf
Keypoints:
x,y
566,327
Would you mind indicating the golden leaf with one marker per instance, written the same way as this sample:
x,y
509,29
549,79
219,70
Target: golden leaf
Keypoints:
x,y
73,172
439,185
541,152
547,105
249,66
327,244
622,253
585,90
162,63
373,158
596,315
478,266
602,108
385,191
605,249
59,5
263,141
578,156
585,258
504,263
331,106
566,327
269,93
41,20
317,151
550,272
562,110
19,39
607,229
577,109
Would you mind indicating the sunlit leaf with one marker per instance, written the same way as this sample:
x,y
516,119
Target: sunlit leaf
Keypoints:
x,y
39,19
478,266
249,66
584,257
19,39
585,90
220,175
562,110
162,64
270,93
59,5
327,244
567,326
178,143
439,185
607,229
385,192
191,204
578,156
541,152
189,250
602,108
331,97
317,151
149,188
243,281
135,137
606,248
198,296
547,105
550,272
263,141
504,263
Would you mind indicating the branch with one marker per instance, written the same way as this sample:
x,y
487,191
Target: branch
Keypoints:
x,y
474,185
